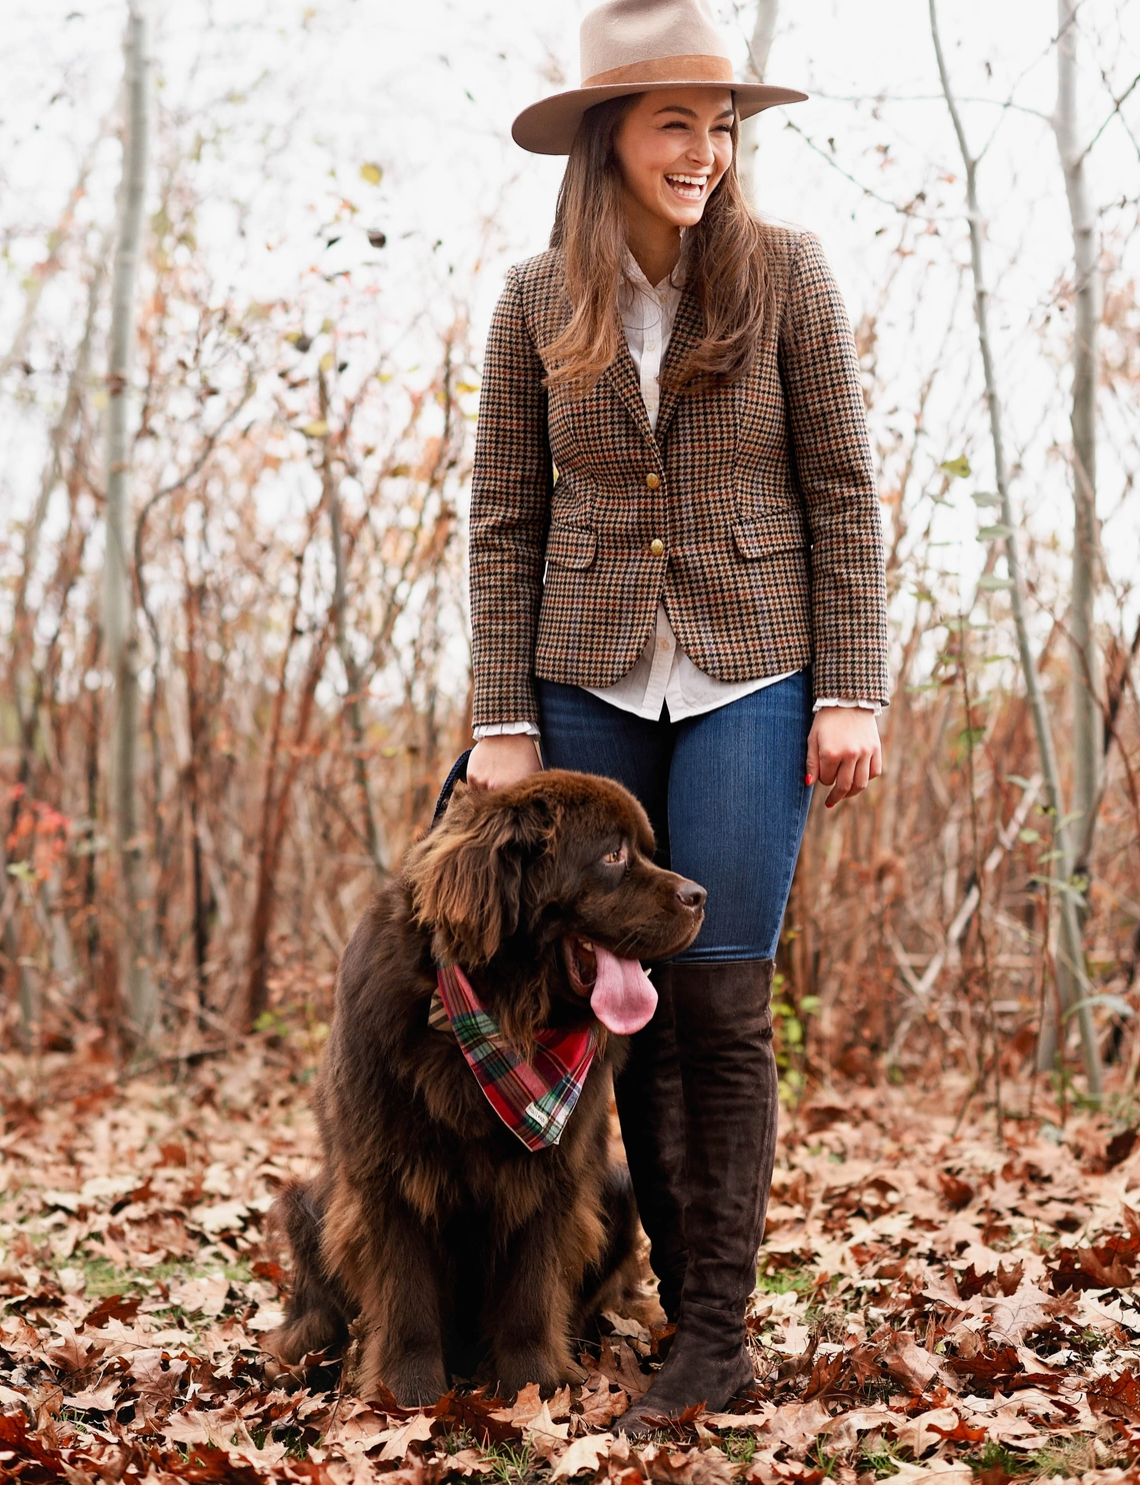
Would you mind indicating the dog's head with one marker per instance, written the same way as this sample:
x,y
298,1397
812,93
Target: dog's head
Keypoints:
x,y
530,881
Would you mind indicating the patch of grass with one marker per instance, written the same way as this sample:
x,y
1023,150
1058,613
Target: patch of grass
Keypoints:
x,y
994,1458
781,1281
510,1464
102,1278
1074,1459
876,1454
824,1458
739,1448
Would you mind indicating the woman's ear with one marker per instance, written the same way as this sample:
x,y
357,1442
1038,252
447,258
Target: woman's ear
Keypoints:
x,y
466,875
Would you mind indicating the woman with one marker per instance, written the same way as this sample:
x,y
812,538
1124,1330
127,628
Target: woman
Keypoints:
x,y
676,581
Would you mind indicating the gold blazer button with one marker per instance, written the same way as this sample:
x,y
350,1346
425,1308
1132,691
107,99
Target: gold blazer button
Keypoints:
x,y
653,480
657,546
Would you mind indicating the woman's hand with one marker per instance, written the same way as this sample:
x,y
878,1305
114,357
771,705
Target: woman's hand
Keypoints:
x,y
502,760
844,751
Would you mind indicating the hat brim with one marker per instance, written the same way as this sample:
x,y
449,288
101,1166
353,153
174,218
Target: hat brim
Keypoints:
x,y
549,127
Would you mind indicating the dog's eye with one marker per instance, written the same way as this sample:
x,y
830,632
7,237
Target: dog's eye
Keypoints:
x,y
617,857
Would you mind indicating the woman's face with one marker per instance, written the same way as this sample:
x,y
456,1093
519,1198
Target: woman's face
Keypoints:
x,y
673,148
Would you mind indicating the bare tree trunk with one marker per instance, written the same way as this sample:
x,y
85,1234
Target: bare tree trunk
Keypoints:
x,y
1088,726
1071,977
759,45
373,830
119,617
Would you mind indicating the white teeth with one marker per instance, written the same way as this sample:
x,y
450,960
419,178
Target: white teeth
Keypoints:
x,y
687,180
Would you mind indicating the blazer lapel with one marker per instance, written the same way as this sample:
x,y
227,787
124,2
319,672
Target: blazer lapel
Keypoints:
x,y
622,376
687,328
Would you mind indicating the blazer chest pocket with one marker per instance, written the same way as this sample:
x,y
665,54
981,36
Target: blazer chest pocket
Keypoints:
x,y
569,547
756,540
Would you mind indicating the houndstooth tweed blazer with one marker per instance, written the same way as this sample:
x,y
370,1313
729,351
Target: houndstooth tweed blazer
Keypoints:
x,y
752,511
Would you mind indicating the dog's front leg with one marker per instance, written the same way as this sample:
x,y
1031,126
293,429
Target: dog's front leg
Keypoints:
x,y
528,1317
395,1267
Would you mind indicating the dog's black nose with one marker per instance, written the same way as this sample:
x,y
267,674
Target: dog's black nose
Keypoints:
x,y
692,894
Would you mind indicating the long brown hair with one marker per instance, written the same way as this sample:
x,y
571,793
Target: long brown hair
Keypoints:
x,y
726,259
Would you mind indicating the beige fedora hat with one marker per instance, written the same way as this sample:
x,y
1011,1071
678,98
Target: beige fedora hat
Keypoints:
x,y
641,46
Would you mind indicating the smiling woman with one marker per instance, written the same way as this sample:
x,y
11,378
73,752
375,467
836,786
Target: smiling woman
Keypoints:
x,y
643,169
702,576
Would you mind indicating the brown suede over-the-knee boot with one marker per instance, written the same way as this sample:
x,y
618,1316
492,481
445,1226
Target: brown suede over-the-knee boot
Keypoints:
x,y
728,1076
651,1107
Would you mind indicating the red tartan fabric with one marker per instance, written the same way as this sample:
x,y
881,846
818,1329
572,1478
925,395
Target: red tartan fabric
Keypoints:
x,y
534,1098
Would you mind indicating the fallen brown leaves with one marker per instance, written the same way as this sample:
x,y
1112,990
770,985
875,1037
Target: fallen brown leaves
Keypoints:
x,y
929,1307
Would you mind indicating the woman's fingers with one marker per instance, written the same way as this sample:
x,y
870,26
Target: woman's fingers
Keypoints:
x,y
811,775
844,778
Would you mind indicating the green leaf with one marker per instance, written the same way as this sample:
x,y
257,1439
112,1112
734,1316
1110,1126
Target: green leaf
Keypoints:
x,y
985,498
316,429
958,468
371,173
991,582
22,871
998,532
1028,835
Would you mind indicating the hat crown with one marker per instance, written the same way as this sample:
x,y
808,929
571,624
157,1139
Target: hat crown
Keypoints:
x,y
622,33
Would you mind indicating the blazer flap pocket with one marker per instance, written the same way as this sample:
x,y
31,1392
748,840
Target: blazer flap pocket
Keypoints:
x,y
570,547
756,539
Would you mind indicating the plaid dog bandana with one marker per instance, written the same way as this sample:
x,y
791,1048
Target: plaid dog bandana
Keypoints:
x,y
534,1099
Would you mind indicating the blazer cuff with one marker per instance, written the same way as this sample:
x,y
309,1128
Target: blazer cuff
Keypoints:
x,y
503,729
875,707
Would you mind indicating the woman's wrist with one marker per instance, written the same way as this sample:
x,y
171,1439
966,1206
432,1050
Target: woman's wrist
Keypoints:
x,y
502,760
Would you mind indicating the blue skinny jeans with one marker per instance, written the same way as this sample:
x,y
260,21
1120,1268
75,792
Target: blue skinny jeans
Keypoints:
x,y
724,792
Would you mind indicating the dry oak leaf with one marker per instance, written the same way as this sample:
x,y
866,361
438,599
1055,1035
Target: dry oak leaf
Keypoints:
x,y
666,1465
102,1400
1117,1397
600,1406
529,1404
583,1455
844,1430
931,1428
543,1435
798,1425
415,1431
1016,1316
911,1365
621,1364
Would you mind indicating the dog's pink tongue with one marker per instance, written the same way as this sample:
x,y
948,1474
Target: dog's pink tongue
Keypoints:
x,y
623,998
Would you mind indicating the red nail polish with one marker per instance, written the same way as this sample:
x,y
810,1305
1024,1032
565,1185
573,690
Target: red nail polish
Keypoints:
x,y
807,779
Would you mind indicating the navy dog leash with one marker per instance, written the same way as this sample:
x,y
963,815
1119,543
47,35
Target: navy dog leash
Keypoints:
x,y
458,772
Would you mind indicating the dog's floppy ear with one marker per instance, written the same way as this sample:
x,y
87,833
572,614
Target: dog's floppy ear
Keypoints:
x,y
466,875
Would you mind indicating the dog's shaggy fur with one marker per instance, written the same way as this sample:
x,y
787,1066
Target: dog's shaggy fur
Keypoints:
x,y
455,1249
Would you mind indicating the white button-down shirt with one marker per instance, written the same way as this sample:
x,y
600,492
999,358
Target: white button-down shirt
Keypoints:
x,y
662,675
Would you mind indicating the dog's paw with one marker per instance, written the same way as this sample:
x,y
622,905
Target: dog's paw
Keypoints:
x,y
549,1373
413,1385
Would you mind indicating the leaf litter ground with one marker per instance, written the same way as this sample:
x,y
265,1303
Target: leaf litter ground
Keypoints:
x,y
929,1307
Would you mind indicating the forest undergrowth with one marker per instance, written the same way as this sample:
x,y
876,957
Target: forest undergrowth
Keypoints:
x,y
930,1306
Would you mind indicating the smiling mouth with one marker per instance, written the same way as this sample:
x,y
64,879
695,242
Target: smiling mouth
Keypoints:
x,y
687,187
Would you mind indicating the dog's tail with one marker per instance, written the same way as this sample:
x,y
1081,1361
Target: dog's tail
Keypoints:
x,y
316,1315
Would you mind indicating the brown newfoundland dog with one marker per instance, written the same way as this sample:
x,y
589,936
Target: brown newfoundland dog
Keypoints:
x,y
455,1248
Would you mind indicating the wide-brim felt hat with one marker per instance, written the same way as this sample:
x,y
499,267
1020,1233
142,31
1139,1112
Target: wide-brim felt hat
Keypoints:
x,y
641,46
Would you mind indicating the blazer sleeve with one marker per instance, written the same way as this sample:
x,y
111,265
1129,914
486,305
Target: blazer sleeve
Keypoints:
x,y
831,457
510,512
